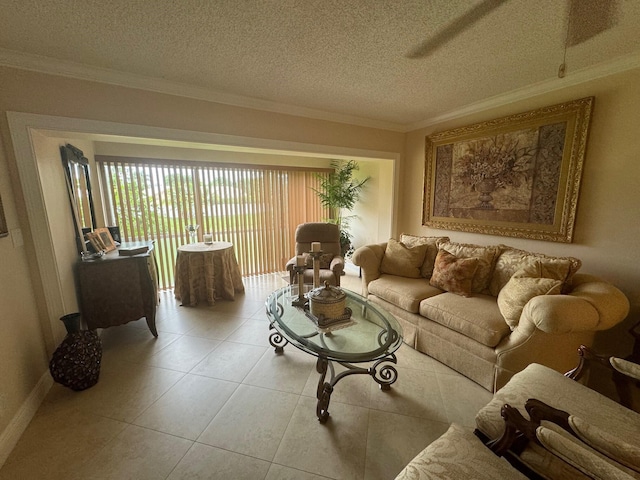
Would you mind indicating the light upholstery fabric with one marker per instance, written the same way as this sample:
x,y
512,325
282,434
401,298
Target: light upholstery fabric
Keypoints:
x,y
549,331
453,274
402,260
579,456
369,258
560,314
477,317
610,303
406,293
521,288
626,367
511,260
458,455
328,234
486,256
553,388
432,250
324,260
607,443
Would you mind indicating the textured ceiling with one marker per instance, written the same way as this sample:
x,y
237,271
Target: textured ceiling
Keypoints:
x,y
342,57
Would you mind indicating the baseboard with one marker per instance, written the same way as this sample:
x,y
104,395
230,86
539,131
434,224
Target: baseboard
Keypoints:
x,y
10,436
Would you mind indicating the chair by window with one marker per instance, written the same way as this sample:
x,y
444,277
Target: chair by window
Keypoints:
x,y
331,262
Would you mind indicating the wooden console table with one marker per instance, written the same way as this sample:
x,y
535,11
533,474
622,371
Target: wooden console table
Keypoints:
x,y
114,289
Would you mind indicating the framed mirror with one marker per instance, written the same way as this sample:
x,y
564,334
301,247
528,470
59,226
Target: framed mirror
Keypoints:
x,y
76,167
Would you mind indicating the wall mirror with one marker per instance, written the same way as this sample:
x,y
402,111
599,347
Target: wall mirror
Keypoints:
x,y
76,167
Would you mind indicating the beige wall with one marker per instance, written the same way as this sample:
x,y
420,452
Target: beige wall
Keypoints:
x,y
607,228
27,340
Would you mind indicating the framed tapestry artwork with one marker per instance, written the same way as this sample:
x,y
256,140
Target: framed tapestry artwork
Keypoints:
x,y
516,176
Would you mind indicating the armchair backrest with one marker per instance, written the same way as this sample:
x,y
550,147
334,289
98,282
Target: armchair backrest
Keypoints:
x,y
328,234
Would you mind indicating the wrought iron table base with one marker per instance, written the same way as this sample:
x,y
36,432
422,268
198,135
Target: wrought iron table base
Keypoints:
x,y
385,376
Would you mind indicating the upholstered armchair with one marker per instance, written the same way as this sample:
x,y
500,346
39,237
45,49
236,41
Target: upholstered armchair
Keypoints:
x,y
331,261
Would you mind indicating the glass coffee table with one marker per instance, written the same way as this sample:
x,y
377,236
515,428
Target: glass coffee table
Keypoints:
x,y
372,336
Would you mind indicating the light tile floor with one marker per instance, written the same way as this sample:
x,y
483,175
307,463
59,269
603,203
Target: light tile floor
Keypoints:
x,y
209,399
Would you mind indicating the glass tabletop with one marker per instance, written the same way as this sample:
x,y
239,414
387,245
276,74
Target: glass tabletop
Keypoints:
x,y
372,333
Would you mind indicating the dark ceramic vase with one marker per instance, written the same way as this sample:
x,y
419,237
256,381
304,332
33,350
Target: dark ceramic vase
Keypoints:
x,y
76,361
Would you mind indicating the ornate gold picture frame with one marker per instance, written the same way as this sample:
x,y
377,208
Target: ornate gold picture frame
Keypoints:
x,y
516,176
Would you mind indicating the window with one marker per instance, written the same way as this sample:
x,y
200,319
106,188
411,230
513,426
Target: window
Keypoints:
x,y
257,208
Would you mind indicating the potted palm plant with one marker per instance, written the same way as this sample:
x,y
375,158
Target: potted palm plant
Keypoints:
x,y
339,192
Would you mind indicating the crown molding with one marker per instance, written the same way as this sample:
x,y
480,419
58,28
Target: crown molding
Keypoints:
x,y
618,65
65,68
38,63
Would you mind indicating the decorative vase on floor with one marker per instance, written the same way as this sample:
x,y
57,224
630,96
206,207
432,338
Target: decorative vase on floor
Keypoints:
x,y
76,361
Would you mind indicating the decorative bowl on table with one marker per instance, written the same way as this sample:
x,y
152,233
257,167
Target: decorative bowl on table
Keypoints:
x,y
328,305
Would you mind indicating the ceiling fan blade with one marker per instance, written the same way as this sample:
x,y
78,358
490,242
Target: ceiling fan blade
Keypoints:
x,y
454,28
588,18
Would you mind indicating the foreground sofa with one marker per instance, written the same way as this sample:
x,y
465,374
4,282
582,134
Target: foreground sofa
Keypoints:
x,y
557,428
548,425
488,311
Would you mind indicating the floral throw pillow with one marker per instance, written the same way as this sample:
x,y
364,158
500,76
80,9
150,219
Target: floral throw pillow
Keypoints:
x,y
453,274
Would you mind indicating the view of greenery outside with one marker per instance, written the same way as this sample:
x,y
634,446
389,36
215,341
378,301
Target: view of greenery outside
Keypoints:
x,y
256,208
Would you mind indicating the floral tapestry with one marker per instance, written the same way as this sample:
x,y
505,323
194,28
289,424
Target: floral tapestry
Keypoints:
x,y
514,176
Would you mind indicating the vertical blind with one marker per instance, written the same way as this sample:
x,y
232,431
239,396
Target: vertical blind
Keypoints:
x,y
257,208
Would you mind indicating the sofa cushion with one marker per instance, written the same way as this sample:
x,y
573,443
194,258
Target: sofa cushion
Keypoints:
x,y
511,260
402,260
521,288
432,250
486,261
477,317
458,453
406,293
453,274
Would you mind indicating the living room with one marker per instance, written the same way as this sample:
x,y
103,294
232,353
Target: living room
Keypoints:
x,y
606,227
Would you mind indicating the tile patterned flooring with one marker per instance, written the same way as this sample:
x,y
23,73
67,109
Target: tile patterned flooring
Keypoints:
x,y
209,399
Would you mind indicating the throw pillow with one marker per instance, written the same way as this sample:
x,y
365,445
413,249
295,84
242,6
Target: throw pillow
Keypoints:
x,y
521,288
432,250
486,261
453,274
607,443
402,260
511,260
325,260
579,455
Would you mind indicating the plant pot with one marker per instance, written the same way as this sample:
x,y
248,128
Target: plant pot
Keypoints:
x,y
76,362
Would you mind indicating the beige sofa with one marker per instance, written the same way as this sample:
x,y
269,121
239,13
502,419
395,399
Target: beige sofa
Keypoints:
x,y
560,429
548,425
494,309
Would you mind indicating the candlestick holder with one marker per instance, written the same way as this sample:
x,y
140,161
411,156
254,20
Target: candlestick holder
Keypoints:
x,y
316,267
300,301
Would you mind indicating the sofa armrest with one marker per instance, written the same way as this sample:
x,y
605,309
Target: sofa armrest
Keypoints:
x,y
369,259
593,304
